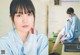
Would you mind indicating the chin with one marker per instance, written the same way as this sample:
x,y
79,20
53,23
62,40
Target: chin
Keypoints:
x,y
25,30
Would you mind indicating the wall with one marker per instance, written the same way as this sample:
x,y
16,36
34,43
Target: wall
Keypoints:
x,y
41,15
5,22
58,16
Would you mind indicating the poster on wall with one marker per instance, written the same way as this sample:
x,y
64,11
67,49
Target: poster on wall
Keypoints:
x,y
56,2
70,0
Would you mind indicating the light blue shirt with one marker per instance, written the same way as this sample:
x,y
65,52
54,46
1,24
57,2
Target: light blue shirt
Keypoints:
x,y
36,44
72,29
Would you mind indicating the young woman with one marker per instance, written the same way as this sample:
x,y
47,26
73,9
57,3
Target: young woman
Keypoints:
x,y
23,39
70,31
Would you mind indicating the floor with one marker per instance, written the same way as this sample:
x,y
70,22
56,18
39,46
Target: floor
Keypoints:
x,y
51,43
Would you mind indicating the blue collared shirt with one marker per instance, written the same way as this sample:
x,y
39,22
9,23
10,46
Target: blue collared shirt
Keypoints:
x,y
72,29
36,44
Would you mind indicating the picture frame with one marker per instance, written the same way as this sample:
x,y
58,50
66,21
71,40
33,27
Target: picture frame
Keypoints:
x,y
56,2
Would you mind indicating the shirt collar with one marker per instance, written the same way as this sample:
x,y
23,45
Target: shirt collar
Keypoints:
x,y
18,40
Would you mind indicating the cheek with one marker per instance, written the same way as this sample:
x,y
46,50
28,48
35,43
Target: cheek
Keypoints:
x,y
17,21
31,21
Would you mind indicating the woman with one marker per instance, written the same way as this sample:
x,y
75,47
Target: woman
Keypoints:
x,y
70,31
23,39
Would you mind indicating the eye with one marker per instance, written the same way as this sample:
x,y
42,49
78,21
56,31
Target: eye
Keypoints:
x,y
18,15
30,14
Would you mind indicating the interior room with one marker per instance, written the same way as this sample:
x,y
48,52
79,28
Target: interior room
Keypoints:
x,y
50,18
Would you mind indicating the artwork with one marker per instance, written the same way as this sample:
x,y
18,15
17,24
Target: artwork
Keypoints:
x,y
56,2
70,0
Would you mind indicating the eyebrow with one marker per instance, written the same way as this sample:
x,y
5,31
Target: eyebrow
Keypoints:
x,y
22,12
19,12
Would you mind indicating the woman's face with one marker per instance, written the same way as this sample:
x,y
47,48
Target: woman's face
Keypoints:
x,y
69,15
23,22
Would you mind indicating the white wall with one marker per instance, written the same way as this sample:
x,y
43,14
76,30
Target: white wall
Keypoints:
x,y
5,22
58,16
41,15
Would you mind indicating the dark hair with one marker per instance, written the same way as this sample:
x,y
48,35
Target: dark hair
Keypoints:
x,y
17,6
70,10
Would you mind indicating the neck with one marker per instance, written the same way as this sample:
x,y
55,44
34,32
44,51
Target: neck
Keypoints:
x,y
23,35
72,14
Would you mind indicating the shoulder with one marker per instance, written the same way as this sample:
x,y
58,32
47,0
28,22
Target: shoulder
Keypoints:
x,y
4,44
75,18
41,37
5,39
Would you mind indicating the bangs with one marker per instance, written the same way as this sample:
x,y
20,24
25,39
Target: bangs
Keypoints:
x,y
23,8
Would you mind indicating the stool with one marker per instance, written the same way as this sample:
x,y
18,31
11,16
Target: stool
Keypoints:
x,y
71,48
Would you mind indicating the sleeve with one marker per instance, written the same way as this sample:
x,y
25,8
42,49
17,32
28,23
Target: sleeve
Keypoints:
x,y
43,46
4,49
72,29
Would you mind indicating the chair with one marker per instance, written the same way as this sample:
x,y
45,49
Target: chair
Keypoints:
x,y
71,48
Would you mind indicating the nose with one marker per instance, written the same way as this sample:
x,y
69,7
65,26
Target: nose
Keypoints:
x,y
25,18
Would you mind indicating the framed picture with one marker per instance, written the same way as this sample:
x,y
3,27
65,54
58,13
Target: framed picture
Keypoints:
x,y
56,2
70,0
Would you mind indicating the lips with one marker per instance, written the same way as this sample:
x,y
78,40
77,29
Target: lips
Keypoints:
x,y
25,26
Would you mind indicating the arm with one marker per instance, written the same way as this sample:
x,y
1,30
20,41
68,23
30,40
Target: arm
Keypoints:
x,y
71,30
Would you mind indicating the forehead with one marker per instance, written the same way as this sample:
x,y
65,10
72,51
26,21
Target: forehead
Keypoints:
x,y
23,9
